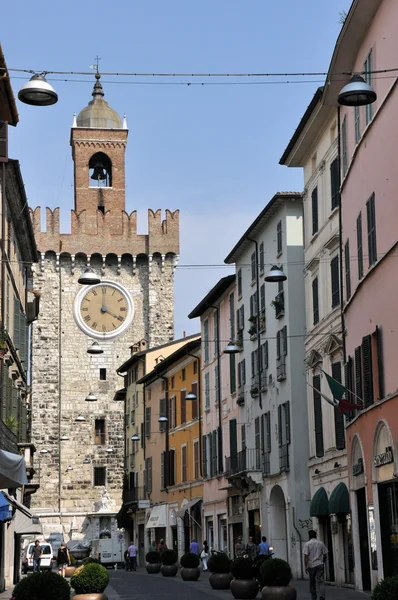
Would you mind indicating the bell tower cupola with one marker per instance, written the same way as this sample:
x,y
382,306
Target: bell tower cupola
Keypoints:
x,y
98,140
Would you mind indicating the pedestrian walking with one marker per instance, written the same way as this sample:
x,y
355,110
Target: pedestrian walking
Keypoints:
x,y
240,548
315,553
194,547
153,547
251,549
263,547
204,555
63,559
37,553
132,557
162,546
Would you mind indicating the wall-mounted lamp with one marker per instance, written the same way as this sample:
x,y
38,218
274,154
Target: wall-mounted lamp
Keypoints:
x,y
89,278
80,418
86,461
69,468
95,348
91,398
64,437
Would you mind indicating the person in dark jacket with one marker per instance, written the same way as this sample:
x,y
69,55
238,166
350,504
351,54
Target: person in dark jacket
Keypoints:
x,y
63,559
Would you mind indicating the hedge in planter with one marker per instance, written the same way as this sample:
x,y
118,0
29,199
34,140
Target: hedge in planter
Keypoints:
x,y
152,562
243,584
219,566
190,567
168,559
275,576
42,586
90,579
387,589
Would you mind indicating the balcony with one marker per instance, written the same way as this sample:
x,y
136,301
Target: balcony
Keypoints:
x,y
264,381
241,395
266,463
281,368
133,495
245,462
279,305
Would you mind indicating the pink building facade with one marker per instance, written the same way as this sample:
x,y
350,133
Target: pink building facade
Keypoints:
x,y
220,426
369,134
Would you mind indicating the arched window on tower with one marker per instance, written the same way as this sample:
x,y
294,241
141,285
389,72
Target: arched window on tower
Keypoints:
x,y
100,170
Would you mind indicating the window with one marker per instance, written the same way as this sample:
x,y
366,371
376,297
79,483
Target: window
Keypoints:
x,y
148,421
279,238
367,67
148,475
347,270
264,355
314,204
102,374
335,183
242,373
194,403
99,432
195,367
344,146
183,375
284,435
215,329
184,475
206,341
334,274
232,373
338,415
239,283
183,407
99,476
253,266
254,366
240,321
357,116
262,307
232,316
317,398
172,382
253,308
172,467
172,412
261,258
265,445
367,370
217,395
281,353
371,218
205,454
162,413
315,301
257,441
359,246
163,475
207,389
196,473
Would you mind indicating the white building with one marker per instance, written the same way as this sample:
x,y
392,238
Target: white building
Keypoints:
x,y
271,466
314,148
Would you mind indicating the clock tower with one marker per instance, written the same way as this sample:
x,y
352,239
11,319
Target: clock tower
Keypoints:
x,y
78,418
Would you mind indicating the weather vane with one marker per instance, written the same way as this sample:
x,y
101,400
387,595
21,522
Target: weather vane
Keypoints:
x,y
95,66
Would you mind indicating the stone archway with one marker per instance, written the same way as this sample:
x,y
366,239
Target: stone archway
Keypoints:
x,y
278,525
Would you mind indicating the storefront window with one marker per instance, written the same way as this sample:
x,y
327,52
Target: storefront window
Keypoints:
x,y
372,537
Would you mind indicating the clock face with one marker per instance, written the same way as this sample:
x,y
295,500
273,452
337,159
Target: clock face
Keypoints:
x,y
103,310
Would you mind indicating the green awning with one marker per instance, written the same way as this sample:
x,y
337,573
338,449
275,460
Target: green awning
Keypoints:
x,y
319,506
339,501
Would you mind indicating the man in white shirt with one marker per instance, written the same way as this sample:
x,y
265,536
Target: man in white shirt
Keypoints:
x,y
132,550
315,553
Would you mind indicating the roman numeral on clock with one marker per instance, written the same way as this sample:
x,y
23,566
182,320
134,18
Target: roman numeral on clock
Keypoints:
x,y
87,318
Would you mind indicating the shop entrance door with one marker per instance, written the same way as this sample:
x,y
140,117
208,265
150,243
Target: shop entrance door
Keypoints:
x,y
254,526
141,545
388,510
363,537
327,539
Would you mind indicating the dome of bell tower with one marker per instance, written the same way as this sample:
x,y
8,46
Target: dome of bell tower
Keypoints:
x,y
98,114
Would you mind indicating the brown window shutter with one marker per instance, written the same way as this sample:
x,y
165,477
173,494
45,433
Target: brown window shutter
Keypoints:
x,y
3,141
367,370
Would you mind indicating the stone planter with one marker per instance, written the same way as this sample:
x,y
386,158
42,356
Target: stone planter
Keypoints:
x,y
153,568
244,589
90,597
220,581
279,593
69,571
169,570
191,574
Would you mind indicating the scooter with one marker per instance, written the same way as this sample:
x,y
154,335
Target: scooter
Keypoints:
x,y
258,561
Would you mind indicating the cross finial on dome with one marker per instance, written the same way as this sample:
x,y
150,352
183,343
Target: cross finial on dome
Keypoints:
x,y
98,91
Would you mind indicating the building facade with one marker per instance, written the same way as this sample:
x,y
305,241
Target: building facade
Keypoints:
x,y
217,312
270,467
77,416
314,148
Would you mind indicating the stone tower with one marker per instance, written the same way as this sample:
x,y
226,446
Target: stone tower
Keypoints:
x,y
80,443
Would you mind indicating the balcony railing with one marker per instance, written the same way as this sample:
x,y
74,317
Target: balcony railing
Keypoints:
x,y
133,495
284,457
266,463
281,368
242,462
279,305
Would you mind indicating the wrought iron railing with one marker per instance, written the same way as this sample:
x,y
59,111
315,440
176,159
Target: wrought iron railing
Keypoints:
x,y
243,461
284,457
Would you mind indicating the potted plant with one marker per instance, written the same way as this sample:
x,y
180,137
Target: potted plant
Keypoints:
x,y
152,562
254,391
276,575
243,584
89,582
3,341
387,589
72,567
168,559
45,585
190,567
252,330
219,566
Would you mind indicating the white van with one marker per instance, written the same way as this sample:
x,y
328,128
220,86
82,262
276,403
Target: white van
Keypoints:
x,y
46,559
108,552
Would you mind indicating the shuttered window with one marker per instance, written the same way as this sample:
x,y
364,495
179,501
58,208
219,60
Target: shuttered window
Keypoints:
x,y
338,415
264,355
368,67
194,403
315,301
279,238
347,270
335,183
232,373
206,341
261,257
184,476
205,463
268,432
317,398
183,407
262,299
148,421
215,329
358,372
380,362
196,460
359,246
371,218
357,119
216,382
314,204
367,367
3,141
334,275
163,470
207,390
215,452
172,412
253,266
344,151
243,436
17,333
257,440
239,283
162,413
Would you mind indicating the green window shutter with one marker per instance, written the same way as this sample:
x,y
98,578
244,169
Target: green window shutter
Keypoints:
x,y
268,424
17,312
316,383
287,422
338,415
358,372
380,363
232,373
367,370
204,445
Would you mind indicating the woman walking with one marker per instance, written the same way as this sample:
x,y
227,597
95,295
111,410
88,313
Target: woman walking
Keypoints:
x,y
204,555
63,559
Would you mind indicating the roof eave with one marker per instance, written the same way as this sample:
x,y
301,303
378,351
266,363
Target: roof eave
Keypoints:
x,y
215,293
10,113
163,366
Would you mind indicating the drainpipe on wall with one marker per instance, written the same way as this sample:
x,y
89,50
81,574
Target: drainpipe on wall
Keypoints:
x,y
301,542
220,436
341,239
259,365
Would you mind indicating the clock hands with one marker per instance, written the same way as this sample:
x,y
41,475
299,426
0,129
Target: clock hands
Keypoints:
x,y
111,313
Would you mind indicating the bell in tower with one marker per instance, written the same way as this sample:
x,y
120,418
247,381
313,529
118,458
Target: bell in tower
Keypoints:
x,y
100,169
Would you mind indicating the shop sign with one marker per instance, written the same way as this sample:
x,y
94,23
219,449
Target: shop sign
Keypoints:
x,y
144,503
357,469
253,504
384,458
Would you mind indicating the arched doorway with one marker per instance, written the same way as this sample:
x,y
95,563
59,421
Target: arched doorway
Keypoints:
x,y
278,529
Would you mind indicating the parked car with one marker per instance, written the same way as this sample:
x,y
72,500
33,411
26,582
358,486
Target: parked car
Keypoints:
x,y
46,559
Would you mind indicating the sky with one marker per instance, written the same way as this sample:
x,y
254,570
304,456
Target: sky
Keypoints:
x,y
211,151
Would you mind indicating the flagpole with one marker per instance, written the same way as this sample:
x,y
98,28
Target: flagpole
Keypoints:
x,y
347,390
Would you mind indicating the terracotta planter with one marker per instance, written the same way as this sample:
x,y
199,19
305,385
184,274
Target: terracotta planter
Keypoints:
x,y
90,597
245,589
192,574
169,570
153,568
220,581
279,593
69,571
